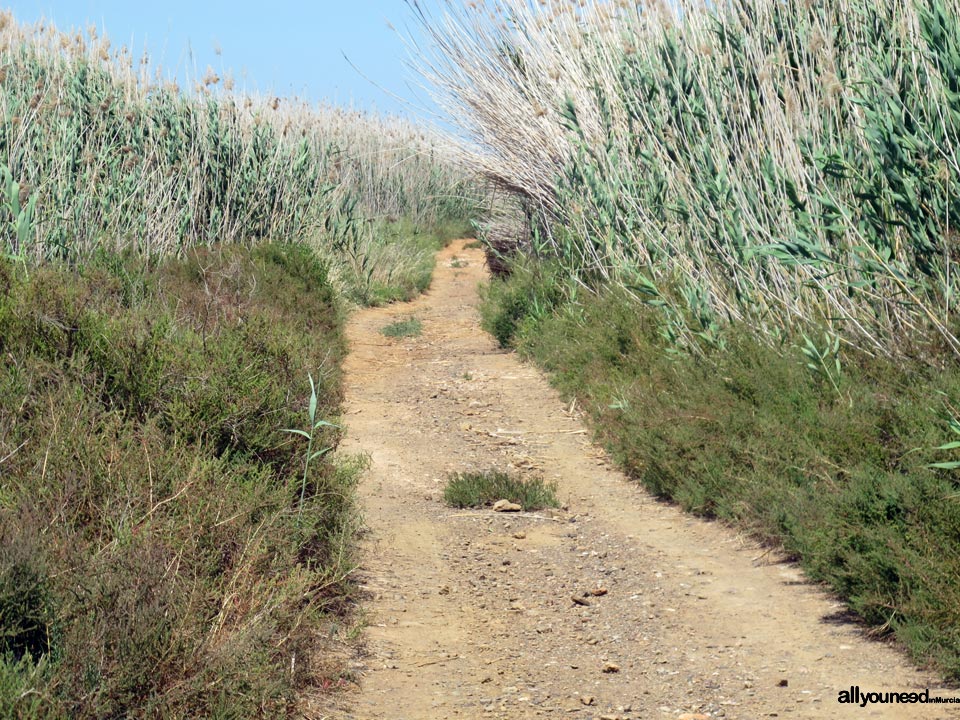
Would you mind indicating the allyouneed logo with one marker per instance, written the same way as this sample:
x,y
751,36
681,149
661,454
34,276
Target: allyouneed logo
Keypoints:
x,y
853,696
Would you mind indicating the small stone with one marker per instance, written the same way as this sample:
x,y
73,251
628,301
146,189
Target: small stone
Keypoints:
x,y
610,667
506,506
783,683
598,592
580,601
520,535
693,716
587,700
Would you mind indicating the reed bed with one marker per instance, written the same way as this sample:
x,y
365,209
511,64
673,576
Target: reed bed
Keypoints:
x,y
784,164
99,152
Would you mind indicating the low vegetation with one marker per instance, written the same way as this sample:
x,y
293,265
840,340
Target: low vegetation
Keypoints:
x,y
479,489
396,263
155,560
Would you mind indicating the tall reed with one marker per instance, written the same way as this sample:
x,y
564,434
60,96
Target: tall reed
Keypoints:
x,y
112,156
777,162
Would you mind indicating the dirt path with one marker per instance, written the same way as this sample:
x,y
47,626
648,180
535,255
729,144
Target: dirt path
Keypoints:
x,y
470,613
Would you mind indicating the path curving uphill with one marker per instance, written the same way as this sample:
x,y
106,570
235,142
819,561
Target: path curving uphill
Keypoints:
x,y
471,613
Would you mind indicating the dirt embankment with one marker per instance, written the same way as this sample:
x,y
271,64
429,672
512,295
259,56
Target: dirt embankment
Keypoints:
x,y
472,614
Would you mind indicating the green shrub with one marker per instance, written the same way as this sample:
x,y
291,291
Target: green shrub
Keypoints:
x,y
19,695
27,607
140,414
530,295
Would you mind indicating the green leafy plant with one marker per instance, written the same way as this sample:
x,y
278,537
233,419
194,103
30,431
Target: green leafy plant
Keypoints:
x,y
954,424
311,454
824,361
21,216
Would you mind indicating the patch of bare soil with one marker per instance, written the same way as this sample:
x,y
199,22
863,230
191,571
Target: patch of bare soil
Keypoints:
x,y
618,607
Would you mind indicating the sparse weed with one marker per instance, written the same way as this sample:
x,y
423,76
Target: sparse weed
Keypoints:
x,y
953,423
314,425
824,361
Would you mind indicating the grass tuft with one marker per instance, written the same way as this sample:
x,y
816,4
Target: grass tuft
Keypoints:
x,y
411,327
478,489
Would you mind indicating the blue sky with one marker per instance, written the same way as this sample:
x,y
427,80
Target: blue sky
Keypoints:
x,y
279,46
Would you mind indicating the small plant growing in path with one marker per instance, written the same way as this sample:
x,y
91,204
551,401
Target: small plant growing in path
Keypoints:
x,y
311,455
477,489
411,327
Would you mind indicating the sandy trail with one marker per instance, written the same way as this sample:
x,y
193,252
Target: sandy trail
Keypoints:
x,y
470,612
